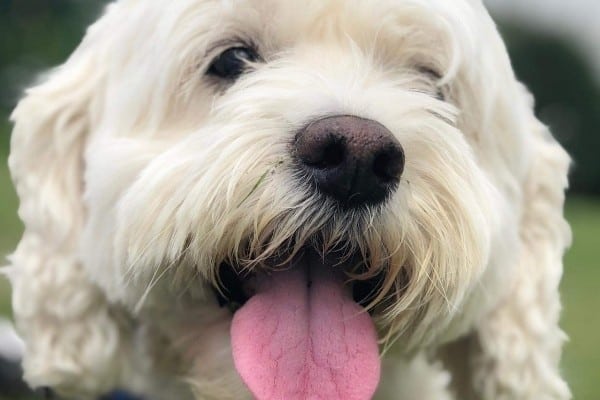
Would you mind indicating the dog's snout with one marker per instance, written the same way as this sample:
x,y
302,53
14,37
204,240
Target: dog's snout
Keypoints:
x,y
353,160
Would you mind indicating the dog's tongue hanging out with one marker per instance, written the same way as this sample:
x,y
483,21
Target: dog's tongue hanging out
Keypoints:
x,y
302,337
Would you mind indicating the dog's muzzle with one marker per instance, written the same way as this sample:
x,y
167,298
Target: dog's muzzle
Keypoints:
x,y
300,328
353,160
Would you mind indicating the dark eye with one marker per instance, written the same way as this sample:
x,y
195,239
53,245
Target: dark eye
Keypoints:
x,y
232,62
430,72
435,77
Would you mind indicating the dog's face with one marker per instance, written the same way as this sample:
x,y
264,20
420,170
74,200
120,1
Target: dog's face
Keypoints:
x,y
231,144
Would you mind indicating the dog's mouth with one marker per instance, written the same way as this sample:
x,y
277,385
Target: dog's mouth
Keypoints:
x,y
300,330
236,287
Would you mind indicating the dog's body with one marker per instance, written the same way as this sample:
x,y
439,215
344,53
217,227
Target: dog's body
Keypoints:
x,y
174,169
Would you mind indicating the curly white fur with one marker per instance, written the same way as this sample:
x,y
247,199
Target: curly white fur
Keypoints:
x,y
138,176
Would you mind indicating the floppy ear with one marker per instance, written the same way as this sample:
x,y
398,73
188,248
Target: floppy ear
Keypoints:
x,y
514,352
72,335
518,344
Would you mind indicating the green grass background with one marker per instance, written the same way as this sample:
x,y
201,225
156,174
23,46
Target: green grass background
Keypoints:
x,y
580,286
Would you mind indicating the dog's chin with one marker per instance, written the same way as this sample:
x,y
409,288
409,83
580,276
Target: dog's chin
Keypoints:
x,y
308,312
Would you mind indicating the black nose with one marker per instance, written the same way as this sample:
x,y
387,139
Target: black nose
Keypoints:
x,y
353,160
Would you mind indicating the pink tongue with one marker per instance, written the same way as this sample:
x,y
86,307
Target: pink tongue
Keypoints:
x,y
295,341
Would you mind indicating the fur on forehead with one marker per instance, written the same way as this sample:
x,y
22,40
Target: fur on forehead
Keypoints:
x,y
181,38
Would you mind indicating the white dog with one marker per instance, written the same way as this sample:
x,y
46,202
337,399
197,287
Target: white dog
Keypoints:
x,y
286,200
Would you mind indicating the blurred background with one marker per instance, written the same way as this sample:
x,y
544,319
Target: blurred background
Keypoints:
x,y
555,48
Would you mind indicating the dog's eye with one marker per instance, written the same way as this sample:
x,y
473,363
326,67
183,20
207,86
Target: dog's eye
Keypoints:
x,y
434,76
430,72
232,62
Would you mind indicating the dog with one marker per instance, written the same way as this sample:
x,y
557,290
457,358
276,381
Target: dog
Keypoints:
x,y
332,199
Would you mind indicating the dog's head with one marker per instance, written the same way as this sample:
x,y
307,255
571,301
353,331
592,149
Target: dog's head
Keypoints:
x,y
212,150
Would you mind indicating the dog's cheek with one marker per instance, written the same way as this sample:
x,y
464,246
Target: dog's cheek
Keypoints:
x,y
112,165
151,217
452,217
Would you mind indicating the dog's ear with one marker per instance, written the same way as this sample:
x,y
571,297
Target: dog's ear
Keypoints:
x,y
515,351
71,333
519,343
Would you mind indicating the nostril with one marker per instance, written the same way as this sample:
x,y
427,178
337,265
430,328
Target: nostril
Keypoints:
x,y
388,165
333,155
323,154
